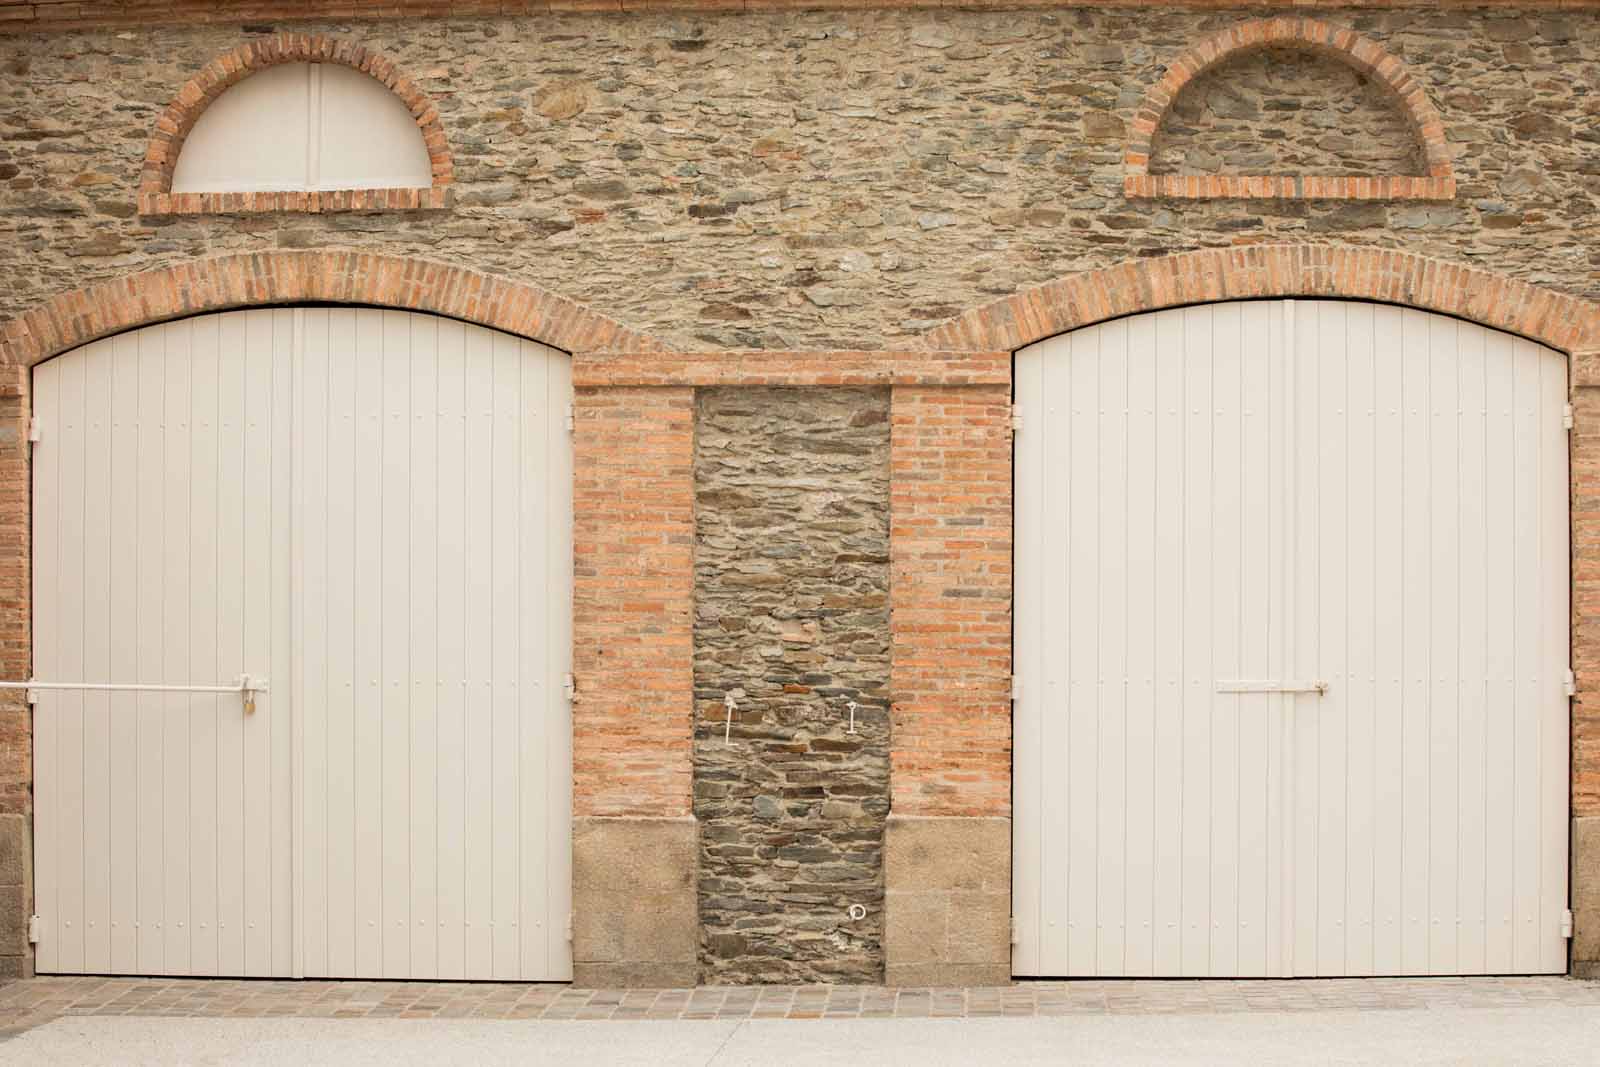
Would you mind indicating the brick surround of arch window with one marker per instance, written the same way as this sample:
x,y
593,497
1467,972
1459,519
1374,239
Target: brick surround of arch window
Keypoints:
x,y
216,77
1344,45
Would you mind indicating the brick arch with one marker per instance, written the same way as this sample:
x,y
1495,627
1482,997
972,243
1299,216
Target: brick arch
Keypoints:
x,y
284,277
172,127
1562,322
1344,45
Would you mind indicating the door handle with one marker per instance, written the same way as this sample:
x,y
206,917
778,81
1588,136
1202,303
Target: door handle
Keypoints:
x,y
1270,686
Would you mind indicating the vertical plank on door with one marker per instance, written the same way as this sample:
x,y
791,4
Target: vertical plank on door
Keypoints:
x,y
99,409
1083,651
1417,541
174,663
1500,662
70,441
1171,493
557,741
367,543
505,506
1227,567
393,694
234,495
47,624
533,675
1144,606
478,603
1471,811
203,711
1111,670
313,463
1527,638
345,912
1554,710
1331,711
1199,664
1029,598
423,668
450,635
148,634
1444,480
1258,321
1357,680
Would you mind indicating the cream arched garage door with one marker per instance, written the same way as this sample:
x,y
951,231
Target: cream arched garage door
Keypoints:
x,y
1218,509
372,510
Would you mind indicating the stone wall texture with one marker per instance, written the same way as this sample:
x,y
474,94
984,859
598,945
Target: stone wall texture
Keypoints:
x,y
791,619
1281,111
821,179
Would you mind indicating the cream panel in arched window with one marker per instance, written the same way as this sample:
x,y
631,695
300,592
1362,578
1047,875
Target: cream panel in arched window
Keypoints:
x,y
303,126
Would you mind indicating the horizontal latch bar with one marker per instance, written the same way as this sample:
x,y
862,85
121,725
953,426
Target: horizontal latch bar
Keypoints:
x,y
248,685
1270,686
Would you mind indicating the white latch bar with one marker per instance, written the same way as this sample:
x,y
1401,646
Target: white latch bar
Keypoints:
x,y
247,684
1270,686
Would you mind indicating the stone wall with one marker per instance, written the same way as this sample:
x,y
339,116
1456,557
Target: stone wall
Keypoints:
x,y
821,179
1281,111
791,619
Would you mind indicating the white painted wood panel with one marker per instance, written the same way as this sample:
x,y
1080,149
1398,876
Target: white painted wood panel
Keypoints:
x,y
1290,491
372,510
303,126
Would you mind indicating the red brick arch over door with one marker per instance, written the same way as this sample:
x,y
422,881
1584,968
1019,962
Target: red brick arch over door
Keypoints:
x,y
288,277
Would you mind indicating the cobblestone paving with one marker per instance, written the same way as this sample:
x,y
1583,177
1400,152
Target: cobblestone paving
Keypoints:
x,y
28,1003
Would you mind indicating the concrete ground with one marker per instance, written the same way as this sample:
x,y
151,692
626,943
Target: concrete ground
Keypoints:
x,y
88,1021
1503,1037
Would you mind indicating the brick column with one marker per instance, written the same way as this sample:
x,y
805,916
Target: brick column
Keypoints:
x,y
16,733
634,846
1586,663
948,842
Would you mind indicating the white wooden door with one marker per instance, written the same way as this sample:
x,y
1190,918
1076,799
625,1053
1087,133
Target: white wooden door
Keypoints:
x,y
372,510
1220,505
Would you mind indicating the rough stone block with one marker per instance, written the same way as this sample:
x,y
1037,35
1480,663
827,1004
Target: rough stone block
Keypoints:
x,y
635,921
1586,896
948,900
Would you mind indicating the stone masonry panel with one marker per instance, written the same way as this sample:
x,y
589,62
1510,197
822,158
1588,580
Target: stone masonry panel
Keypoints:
x,y
791,620
842,179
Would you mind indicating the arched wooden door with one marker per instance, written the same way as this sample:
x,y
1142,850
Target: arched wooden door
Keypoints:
x,y
371,510
1291,644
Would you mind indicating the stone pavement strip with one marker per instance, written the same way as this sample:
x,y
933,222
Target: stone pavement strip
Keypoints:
x,y
29,1003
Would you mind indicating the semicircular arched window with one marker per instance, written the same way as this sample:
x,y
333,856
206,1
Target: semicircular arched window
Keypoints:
x,y
297,123
303,126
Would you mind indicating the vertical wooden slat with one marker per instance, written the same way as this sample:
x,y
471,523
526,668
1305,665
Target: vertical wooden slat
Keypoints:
x,y
1199,590
533,672
478,710
1111,670
1444,482
394,673
97,628
505,627
1471,810
345,912
312,643
1416,539
1227,568
1083,653
422,669
1028,763
450,636
234,496
367,541
149,633
69,439
1527,640
1144,606
1555,583
203,712
1500,662
47,625
557,740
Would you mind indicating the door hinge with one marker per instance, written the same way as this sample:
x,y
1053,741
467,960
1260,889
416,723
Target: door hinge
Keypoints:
x,y
569,686
572,420
35,431
1571,683
1016,939
1566,416
1566,923
34,923
1016,688
1016,418
568,931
